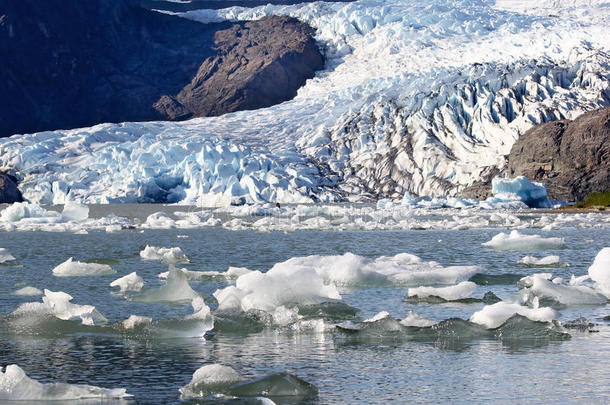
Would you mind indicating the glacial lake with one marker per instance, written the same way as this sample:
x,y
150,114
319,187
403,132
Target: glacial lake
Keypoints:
x,y
347,364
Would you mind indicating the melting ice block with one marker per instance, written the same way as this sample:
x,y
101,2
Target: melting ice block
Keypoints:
x,y
532,261
600,271
5,256
165,255
412,319
518,241
58,304
451,293
493,316
74,211
541,286
18,211
520,189
130,282
28,291
71,268
274,385
177,288
210,379
15,385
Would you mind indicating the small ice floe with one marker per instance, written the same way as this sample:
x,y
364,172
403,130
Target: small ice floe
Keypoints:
x,y
26,210
599,271
451,293
130,282
135,320
31,291
412,319
176,289
223,380
15,385
232,273
547,261
493,316
173,255
5,256
71,268
542,286
518,241
159,220
58,304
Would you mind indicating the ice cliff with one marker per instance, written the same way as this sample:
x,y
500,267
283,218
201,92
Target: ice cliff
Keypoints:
x,y
423,97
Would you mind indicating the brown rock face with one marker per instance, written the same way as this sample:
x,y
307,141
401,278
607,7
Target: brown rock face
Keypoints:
x,y
9,193
572,158
258,64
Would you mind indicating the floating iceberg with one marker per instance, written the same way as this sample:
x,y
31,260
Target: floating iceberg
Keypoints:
x,y
71,268
518,241
520,189
541,286
24,210
74,211
130,282
28,291
210,379
165,255
599,271
5,256
451,293
493,316
58,304
15,385
176,289
547,261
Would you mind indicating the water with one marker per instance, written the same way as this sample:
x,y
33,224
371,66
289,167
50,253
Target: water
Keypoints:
x,y
345,370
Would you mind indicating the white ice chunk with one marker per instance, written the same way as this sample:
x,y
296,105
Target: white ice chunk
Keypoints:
x,y
28,291
518,241
15,385
18,211
209,379
5,256
74,211
159,220
58,304
176,288
451,293
493,316
71,268
412,319
599,271
130,282
165,255
540,285
135,320
535,262
520,189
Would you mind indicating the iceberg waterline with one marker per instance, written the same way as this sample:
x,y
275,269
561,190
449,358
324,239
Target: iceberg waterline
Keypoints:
x,y
416,98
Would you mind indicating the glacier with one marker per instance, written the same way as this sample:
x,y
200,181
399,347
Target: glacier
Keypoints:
x,y
423,98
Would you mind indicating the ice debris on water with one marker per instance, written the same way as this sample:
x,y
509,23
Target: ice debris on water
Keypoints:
x,y
415,320
5,256
544,287
172,255
58,304
599,271
135,320
71,268
210,379
15,385
176,289
493,316
518,241
130,282
28,291
451,293
547,261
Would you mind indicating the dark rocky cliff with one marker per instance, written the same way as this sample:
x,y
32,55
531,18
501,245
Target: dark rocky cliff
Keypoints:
x,y
572,158
9,193
72,63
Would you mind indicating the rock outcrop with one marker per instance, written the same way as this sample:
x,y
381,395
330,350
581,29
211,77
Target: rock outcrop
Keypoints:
x,y
572,158
9,193
72,63
259,64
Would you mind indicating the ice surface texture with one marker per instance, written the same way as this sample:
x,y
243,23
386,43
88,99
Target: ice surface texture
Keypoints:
x,y
419,97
